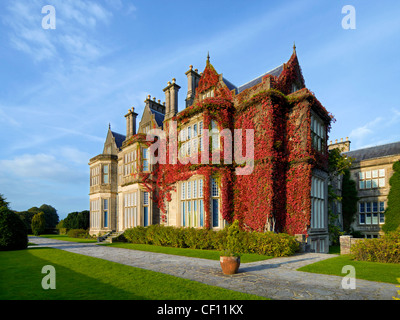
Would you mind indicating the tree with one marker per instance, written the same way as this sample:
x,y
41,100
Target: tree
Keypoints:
x,y
349,200
77,220
392,212
13,234
339,165
50,214
3,202
38,223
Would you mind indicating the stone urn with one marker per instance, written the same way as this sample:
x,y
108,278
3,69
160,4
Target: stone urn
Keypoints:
x,y
230,265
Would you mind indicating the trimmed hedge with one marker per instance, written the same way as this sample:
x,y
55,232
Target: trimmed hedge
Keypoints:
x,y
385,249
78,233
269,243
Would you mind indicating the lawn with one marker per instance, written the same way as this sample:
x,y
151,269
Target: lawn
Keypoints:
x,y
80,277
196,253
374,271
66,238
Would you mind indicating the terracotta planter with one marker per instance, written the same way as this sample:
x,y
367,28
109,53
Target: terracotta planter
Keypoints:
x,y
229,265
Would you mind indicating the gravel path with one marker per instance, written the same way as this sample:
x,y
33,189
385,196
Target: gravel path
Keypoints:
x,y
275,278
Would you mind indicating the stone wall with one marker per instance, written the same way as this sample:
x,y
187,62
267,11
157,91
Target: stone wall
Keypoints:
x,y
346,242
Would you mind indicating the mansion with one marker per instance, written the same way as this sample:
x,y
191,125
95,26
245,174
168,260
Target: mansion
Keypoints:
x,y
156,173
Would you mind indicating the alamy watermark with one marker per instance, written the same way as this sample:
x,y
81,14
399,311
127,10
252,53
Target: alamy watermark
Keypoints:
x,y
49,280
49,20
189,152
349,20
349,281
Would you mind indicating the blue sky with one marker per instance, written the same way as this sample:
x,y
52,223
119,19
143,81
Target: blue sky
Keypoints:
x,y
61,88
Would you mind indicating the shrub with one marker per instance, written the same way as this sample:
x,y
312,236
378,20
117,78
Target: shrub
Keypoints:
x,y
38,223
268,243
78,233
385,249
13,233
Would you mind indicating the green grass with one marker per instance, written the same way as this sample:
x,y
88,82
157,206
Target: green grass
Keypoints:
x,y
66,238
196,253
80,277
374,271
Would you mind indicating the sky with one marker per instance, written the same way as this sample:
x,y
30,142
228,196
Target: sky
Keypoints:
x,y
61,88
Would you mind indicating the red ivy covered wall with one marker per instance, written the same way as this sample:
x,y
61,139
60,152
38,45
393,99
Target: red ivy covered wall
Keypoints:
x,y
276,196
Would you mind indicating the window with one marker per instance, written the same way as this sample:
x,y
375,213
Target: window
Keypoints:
x,y
371,179
371,212
214,134
95,176
145,209
105,212
317,202
95,214
215,202
130,163
130,210
192,205
318,134
145,159
105,173
191,139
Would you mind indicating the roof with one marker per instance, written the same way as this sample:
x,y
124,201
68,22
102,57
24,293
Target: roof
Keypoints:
x,y
384,150
119,138
274,72
158,116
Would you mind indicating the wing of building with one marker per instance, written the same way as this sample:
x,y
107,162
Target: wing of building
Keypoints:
x,y
371,169
255,152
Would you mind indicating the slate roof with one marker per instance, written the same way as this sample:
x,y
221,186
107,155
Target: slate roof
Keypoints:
x,y
384,150
158,116
274,72
119,138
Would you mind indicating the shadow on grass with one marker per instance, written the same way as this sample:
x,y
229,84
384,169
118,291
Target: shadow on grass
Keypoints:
x,y
21,278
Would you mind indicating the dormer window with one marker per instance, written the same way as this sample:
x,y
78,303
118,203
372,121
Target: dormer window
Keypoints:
x,y
207,94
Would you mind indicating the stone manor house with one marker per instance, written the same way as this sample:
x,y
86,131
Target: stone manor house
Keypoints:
x,y
286,190
371,169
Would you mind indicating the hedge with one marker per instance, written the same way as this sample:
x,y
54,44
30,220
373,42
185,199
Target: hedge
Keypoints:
x,y
385,249
269,243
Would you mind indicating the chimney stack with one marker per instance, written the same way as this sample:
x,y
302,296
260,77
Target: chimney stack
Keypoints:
x,y
193,81
171,99
131,123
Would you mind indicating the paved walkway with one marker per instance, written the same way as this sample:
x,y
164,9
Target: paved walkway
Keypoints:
x,y
275,278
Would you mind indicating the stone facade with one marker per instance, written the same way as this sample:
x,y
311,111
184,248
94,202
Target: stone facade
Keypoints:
x,y
371,169
290,124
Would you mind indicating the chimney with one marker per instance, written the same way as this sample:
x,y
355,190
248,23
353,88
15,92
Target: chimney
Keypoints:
x,y
171,99
130,123
344,146
193,81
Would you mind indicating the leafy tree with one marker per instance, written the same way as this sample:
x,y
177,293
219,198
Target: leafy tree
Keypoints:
x,y
3,202
349,200
392,212
38,223
77,220
339,165
50,214
13,234
26,218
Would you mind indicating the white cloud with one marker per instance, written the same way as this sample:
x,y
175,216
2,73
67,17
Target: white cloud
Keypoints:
x,y
363,132
42,167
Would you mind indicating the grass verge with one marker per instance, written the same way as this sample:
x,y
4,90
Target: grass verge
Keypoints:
x,y
79,277
373,271
195,253
66,238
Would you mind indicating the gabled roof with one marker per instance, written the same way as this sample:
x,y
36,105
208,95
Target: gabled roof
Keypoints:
x,y
119,138
274,72
158,116
384,150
